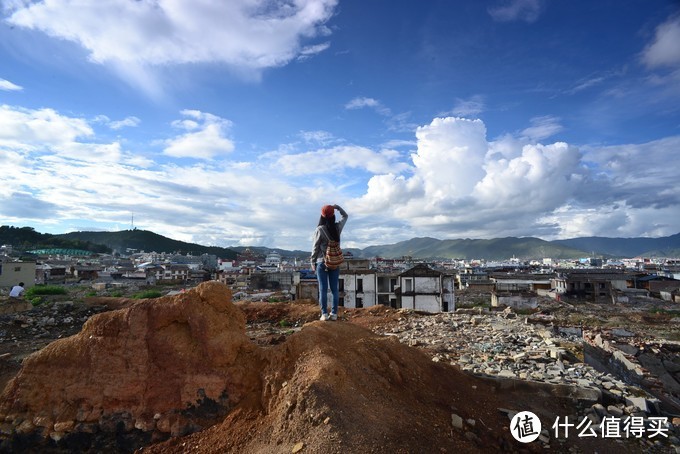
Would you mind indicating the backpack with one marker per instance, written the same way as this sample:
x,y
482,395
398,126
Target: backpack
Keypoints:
x,y
333,257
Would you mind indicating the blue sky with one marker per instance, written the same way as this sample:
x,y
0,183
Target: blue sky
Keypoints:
x,y
232,123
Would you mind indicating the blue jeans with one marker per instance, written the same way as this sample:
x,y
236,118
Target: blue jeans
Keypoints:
x,y
327,278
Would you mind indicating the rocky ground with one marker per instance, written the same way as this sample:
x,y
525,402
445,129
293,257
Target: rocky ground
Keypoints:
x,y
382,380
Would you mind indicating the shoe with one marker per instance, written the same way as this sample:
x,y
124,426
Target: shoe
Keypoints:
x,y
334,317
325,317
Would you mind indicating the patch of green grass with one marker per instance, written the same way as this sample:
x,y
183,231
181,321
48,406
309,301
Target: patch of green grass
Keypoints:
x,y
284,323
40,290
35,294
35,300
147,294
92,293
116,294
660,310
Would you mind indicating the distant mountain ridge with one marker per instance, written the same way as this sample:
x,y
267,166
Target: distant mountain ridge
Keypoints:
x,y
530,248
418,248
493,249
668,246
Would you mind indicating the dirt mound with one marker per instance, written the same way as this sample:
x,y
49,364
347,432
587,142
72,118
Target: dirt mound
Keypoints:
x,y
337,387
161,367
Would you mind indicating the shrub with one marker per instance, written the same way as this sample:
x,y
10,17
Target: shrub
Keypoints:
x,y
39,290
147,294
35,294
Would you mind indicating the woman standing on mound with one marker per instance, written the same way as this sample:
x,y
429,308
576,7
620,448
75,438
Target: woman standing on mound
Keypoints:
x,y
327,229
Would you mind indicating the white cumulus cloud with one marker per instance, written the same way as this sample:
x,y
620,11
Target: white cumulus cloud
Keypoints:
x,y
462,185
206,137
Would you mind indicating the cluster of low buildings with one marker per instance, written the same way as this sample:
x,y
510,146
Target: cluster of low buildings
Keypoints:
x,y
399,283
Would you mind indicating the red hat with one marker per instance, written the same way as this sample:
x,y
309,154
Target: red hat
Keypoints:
x,y
327,211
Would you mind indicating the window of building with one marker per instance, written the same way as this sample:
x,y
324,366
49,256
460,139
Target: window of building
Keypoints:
x,y
341,285
408,284
360,302
17,269
393,283
360,284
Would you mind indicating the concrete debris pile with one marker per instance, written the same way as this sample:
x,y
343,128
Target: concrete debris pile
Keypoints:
x,y
504,347
47,321
500,346
653,366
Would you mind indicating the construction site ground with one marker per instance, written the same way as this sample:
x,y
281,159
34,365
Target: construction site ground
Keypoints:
x,y
366,416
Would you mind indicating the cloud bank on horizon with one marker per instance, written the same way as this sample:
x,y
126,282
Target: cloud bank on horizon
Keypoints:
x,y
232,123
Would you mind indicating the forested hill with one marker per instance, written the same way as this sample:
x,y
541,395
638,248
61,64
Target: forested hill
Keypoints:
x,y
26,239
143,240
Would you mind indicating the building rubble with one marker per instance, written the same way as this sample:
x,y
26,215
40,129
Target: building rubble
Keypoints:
x,y
499,345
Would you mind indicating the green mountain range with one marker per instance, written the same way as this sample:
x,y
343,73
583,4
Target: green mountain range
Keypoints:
x,y
127,241
493,249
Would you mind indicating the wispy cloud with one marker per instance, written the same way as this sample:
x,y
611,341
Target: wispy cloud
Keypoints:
x,y
317,137
9,86
363,102
468,107
309,51
586,84
130,122
517,10
542,127
329,160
